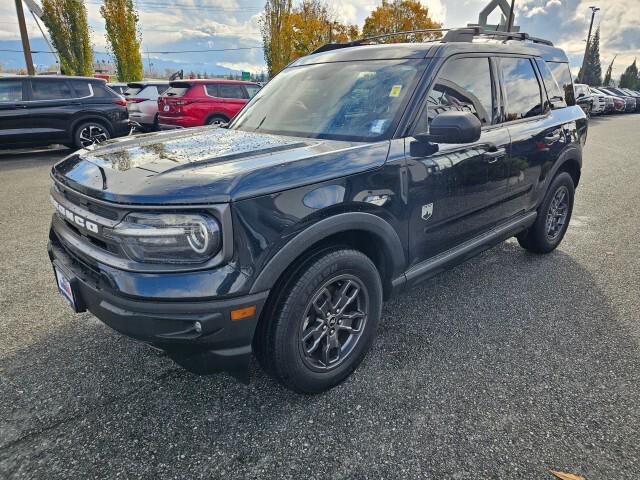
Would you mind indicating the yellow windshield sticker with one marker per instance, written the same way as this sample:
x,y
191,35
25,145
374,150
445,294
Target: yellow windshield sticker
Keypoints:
x,y
395,90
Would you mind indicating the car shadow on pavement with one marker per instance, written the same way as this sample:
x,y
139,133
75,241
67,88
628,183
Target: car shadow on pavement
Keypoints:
x,y
503,367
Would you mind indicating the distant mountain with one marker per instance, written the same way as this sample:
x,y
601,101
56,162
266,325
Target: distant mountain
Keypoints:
x,y
198,62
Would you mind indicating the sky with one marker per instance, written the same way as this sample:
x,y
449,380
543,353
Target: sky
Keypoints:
x,y
170,25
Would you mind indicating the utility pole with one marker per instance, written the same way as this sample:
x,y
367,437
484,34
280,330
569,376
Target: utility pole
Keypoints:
x,y
25,38
586,49
510,21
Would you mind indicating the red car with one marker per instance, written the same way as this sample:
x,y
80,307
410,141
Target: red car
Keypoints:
x,y
191,103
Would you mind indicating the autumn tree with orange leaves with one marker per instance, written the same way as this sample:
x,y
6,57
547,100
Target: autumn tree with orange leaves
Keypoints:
x,y
398,16
292,32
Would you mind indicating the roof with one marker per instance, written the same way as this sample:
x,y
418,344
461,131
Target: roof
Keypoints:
x,y
453,42
211,80
56,77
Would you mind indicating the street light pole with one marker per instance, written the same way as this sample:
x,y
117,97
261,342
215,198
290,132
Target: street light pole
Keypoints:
x,y
25,38
586,49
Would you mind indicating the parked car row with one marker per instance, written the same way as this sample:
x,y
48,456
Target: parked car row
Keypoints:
x,y
72,111
604,100
80,111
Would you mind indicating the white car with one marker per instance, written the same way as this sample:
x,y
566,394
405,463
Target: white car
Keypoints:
x,y
142,102
597,104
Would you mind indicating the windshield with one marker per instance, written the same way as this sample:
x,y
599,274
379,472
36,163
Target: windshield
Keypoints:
x,y
359,101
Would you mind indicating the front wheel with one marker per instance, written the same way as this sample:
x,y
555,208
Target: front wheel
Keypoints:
x,y
553,217
324,322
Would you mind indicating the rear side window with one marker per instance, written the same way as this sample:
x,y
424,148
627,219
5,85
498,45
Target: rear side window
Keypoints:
x,y
11,91
554,92
463,84
252,90
231,91
81,88
50,89
100,90
176,91
212,90
521,88
562,74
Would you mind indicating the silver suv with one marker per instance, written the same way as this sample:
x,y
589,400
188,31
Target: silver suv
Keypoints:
x,y
142,102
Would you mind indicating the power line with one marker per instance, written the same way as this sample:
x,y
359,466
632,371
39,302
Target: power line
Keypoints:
x,y
150,51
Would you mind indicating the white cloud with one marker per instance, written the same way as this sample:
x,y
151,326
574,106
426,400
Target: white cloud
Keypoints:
x,y
243,66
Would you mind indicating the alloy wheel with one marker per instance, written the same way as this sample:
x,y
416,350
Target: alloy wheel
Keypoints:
x,y
92,134
557,213
333,322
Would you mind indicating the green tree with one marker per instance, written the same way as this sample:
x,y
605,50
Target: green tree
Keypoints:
x,y
398,16
123,38
629,78
66,21
593,70
275,26
607,76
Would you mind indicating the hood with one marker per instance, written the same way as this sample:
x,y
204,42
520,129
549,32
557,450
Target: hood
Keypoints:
x,y
210,165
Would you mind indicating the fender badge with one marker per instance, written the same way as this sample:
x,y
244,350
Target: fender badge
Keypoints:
x,y
427,211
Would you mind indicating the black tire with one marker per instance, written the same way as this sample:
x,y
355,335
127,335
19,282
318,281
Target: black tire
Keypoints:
x,y
544,236
280,345
90,132
217,120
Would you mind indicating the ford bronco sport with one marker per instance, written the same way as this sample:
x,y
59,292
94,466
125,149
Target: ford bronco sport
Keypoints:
x,y
357,172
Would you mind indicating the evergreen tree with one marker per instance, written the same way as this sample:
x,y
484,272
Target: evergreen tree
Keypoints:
x,y
121,21
66,21
629,78
593,71
607,76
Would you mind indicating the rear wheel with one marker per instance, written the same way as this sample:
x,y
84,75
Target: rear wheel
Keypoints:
x,y
217,120
324,322
90,133
553,217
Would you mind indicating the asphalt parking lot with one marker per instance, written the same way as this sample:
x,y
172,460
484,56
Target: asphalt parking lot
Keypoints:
x,y
505,367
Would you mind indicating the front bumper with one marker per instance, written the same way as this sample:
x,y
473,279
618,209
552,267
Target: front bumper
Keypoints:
x,y
216,344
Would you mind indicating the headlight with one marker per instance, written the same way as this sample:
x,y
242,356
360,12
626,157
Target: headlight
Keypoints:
x,y
167,237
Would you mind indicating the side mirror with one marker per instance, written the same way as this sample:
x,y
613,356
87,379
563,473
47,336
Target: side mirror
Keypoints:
x,y
580,95
452,127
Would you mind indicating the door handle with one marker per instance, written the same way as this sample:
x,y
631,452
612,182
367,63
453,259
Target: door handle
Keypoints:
x,y
20,106
493,155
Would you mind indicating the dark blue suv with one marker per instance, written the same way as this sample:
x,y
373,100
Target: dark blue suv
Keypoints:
x,y
357,172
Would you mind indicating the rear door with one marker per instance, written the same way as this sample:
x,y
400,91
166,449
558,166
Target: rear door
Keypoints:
x,y
52,104
14,120
232,97
456,192
537,133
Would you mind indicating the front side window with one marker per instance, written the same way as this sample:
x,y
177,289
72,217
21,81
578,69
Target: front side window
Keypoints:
x,y
356,101
11,91
463,84
230,91
521,88
50,89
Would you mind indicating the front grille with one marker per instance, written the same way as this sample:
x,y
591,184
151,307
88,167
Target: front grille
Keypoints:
x,y
89,205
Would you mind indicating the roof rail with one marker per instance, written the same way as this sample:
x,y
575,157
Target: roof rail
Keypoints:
x,y
466,34
469,33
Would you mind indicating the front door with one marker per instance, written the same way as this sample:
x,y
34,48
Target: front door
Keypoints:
x,y
13,114
457,192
